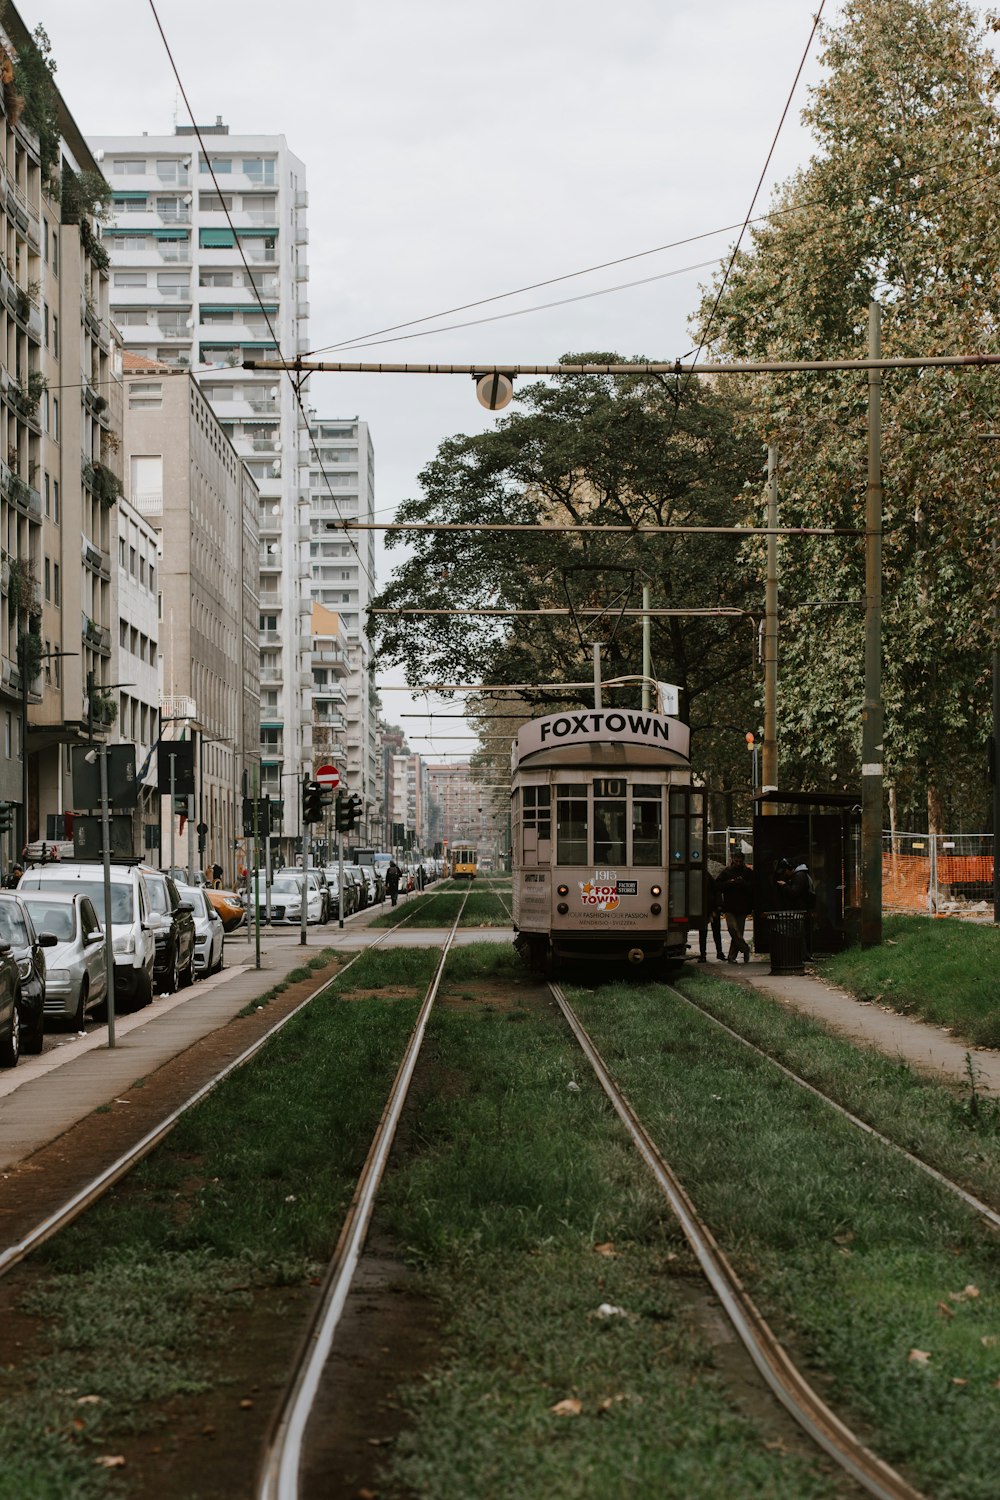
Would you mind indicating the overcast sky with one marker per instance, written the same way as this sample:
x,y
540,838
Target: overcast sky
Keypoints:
x,y
457,150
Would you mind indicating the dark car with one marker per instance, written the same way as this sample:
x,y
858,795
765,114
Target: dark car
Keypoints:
x,y
10,1009
172,921
17,929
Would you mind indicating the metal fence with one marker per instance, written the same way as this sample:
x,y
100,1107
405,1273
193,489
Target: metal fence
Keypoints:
x,y
942,872
720,843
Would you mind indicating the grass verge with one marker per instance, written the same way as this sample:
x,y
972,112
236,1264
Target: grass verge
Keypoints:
x,y
294,976
955,1129
944,971
246,1193
886,1282
526,1212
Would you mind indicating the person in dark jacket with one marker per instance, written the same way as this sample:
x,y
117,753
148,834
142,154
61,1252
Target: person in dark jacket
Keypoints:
x,y
735,895
796,892
392,874
711,915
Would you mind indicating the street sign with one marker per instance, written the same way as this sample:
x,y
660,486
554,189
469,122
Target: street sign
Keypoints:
x,y
328,778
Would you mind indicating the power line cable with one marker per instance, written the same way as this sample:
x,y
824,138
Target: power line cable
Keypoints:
x,y
296,385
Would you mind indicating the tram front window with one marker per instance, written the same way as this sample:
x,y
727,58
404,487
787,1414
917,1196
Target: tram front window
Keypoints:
x,y
610,829
571,824
647,815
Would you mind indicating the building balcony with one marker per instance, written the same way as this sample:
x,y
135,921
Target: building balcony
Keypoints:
x,y
148,502
178,706
95,635
329,692
270,599
94,558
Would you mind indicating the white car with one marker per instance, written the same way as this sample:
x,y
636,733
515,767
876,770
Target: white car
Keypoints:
x,y
209,934
76,977
131,931
286,899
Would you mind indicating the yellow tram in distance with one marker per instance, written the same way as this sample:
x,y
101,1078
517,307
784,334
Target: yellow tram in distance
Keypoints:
x,y
608,837
464,863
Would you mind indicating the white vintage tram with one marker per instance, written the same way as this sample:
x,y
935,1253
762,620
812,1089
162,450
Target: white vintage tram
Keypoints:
x,y
608,839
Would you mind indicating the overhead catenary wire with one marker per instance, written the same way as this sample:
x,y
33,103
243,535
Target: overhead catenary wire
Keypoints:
x,y
296,384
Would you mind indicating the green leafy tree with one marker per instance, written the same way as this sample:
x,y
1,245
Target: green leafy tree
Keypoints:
x,y
897,204
587,451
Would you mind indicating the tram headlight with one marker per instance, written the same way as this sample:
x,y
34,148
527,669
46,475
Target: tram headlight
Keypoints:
x,y
563,890
656,908
562,908
656,890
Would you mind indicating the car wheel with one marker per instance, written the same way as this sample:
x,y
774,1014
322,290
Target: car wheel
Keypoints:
x,y
10,1047
171,982
79,1016
187,976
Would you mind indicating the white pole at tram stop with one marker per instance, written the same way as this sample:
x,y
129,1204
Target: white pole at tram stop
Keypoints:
x,y
596,647
100,754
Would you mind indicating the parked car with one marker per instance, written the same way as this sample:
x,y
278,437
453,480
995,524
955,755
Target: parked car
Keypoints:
x,y
209,936
229,906
172,921
376,885
27,948
131,933
286,899
353,877
10,1010
332,874
77,977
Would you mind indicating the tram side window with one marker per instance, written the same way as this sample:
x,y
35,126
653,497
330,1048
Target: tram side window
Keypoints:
x,y
647,829
536,824
571,824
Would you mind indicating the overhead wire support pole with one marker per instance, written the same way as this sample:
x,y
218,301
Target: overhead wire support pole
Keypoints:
x,y
769,765
871,716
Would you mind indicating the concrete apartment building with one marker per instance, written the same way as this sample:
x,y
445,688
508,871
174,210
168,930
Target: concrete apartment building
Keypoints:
x,y
187,481
60,415
342,582
209,268
463,812
135,661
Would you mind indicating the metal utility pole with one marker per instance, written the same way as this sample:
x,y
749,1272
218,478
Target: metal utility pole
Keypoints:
x,y
995,759
173,810
647,653
871,716
598,699
109,942
770,747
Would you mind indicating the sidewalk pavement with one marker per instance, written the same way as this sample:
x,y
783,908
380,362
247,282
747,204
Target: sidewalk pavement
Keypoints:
x,y
926,1047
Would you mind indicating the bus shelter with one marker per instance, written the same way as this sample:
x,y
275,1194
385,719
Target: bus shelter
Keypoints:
x,y
824,830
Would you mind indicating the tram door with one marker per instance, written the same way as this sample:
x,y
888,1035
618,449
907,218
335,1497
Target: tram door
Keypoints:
x,y
686,854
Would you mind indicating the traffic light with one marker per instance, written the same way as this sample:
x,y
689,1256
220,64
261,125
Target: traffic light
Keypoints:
x,y
312,802
348,812
750,738
6,817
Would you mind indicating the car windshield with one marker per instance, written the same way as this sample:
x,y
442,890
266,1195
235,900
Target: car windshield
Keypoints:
x,y
48,917
12,926
121,895
287,883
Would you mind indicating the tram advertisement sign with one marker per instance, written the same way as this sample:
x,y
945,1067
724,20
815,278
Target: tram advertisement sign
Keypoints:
x,y
598,726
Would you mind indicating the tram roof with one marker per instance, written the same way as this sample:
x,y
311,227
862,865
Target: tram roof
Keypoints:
x,y
597,737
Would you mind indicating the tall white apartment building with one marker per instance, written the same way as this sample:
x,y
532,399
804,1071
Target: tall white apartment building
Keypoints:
x,y
209,268
342,580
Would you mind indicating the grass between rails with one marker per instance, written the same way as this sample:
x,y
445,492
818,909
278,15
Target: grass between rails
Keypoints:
x,y
886,1281
945,971
511,1174
248,1191
483,909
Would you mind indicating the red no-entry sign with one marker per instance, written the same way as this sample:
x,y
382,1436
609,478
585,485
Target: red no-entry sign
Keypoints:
x,y
328,778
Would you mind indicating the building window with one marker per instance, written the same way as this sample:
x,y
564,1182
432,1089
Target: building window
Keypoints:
x,y
47,577
8,735
130,278
55,418
56,587
222,166
46,492
129,167
55,335
55,252
55,501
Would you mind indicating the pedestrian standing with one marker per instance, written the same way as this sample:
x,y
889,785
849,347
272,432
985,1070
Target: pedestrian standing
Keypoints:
x,y
735,895
797,892
711,915
392,874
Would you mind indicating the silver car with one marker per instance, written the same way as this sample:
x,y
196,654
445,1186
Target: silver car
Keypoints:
x,y
77,977
208,930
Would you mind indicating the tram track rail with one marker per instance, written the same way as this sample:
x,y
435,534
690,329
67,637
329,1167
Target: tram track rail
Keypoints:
x,y
96,1187
279,1473
769,1356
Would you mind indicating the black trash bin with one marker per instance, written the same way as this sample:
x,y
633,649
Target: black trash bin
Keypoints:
x,y
787,931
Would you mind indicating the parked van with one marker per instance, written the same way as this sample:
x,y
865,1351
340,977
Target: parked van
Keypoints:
x,y
131,932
